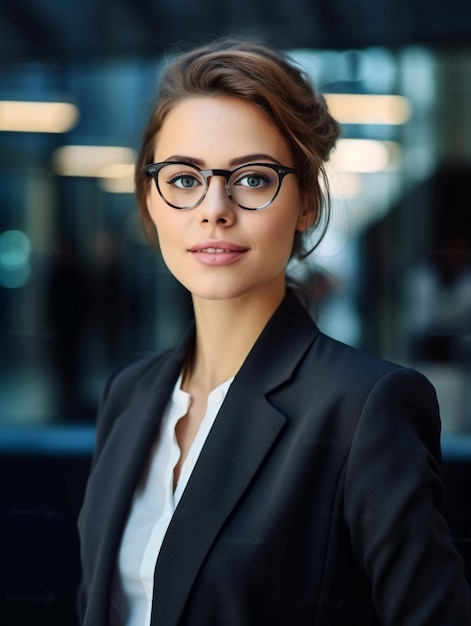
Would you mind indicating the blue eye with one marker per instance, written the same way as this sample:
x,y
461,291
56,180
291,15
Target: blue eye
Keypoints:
x,y
184,181
254,180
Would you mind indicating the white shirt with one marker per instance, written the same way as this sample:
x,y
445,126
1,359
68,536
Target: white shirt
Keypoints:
x,y
153,507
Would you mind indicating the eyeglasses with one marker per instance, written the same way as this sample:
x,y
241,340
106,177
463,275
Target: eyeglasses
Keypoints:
x,y
184,186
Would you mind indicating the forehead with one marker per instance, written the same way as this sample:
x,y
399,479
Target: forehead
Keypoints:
x,y
219,128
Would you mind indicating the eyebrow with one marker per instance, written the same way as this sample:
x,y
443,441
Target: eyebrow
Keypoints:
x,y
248,158
253,158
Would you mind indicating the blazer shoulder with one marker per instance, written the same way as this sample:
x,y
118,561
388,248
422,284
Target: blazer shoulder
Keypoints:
x,y
140,369
122,386
351,366
354,377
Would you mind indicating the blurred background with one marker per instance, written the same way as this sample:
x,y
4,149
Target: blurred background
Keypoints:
x,y
81,292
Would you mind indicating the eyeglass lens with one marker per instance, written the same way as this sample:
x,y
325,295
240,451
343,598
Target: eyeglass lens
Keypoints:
x,y
251,186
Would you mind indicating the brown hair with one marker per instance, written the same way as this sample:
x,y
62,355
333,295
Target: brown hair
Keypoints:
x,y
269,81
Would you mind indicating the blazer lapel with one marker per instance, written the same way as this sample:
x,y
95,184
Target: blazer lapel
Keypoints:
x,y
130,441
119,467
245,430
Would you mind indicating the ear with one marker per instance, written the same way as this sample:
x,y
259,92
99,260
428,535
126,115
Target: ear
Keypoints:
x,y
306,217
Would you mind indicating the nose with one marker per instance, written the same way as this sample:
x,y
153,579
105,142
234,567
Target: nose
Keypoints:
x,y
217,207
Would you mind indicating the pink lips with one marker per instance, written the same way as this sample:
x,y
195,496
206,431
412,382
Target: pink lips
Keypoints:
x,y
217,252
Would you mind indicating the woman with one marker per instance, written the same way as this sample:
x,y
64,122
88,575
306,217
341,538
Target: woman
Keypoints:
x,y
260,473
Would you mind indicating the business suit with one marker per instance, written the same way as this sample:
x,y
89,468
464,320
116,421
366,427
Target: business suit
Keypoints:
x,y
320,475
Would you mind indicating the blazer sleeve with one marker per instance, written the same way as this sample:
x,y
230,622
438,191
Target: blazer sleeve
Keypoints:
x,y
393,493
104,426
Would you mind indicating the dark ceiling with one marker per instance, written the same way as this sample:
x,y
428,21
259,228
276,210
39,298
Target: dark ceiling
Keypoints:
x,y
68,31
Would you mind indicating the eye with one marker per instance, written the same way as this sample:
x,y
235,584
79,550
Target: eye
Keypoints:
x,y
184,181
253,180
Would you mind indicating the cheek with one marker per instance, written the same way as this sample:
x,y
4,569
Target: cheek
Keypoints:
x,y
170,227
160,225
157,212
279,236
164,230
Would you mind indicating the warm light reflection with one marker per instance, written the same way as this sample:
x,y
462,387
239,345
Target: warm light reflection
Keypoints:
x,y
365,156
369,109
118,178
37,117
94,161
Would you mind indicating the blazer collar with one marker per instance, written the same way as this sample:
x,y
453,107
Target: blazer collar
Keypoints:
x,y
246,429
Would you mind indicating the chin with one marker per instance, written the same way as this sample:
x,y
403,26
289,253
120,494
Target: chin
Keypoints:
x,y
218,294
224,291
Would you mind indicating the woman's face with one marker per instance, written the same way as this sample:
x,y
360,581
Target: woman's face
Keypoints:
x,y
218,250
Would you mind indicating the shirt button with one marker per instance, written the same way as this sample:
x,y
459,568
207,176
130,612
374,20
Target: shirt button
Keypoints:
x,y
218,395
188,463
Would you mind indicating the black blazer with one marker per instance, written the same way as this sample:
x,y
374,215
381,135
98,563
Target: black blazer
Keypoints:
x,y
315,500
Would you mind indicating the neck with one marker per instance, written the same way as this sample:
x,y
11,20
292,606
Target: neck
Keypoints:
x,y
226,331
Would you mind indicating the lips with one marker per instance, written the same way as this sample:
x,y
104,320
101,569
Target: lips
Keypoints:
x,y
216,247
214,250
217,253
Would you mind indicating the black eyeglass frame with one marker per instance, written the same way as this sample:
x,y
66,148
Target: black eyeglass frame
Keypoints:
x,y
153,170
